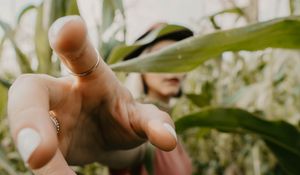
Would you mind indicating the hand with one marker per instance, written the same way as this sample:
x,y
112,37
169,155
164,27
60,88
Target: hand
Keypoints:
x,y
98,118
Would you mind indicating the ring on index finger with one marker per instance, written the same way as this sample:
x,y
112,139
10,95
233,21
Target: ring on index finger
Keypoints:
x,y
92,69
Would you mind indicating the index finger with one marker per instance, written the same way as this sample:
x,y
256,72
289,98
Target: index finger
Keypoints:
x,y
68,37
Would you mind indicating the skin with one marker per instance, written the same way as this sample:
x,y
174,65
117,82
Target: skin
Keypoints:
x,y
162,87
99,120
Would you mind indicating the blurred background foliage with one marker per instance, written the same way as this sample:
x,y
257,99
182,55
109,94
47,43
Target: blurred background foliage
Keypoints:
x,y
241,110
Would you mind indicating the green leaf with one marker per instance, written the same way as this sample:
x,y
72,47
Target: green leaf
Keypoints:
x,y
6,165
57,10
3,99
106,48
72,8
109,9
204,98
109,12
23,60
200,100
287,160
5,83
119,51
190,53
118,4
108,15
284,138
42,46
24,10
235,10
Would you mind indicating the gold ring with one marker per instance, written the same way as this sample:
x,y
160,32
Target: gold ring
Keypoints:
x,y
92,69
54,121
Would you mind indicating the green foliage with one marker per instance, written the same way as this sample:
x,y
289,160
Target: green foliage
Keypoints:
x,y
203,99
281,137
22,58
111,9
190,53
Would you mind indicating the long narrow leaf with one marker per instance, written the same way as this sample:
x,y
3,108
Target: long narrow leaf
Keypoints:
x,y
108,15
5,164
24,10
190,53
5,83
283,137
288,160
23,60
72,7
42,47
3,95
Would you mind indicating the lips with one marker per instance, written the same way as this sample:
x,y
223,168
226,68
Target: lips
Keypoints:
x,y
172,80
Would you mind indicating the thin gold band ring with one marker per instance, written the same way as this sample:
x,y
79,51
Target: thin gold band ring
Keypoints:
x,y
92,69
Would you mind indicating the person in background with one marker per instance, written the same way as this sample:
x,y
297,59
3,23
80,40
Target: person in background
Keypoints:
x,y
89,116
159,89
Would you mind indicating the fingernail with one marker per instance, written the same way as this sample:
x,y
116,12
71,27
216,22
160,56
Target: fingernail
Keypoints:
x,y
27,141
170,129
57,25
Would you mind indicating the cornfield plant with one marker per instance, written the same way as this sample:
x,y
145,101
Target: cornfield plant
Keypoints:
x,y
243,81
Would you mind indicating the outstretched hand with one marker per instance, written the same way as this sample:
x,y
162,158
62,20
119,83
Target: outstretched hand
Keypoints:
x,y
98,118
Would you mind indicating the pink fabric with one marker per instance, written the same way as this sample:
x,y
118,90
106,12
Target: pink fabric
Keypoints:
x,y
175,162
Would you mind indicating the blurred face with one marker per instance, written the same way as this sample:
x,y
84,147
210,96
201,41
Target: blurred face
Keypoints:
x,y
162,86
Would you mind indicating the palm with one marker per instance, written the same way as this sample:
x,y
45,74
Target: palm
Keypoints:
x,y
99,120
94,122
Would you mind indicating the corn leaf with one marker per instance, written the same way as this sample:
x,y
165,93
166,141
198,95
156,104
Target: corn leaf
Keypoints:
x,y
72,8
23,60
206,96
235,10
283,137
5,164
108,15
118,4
42,47
288,161
3,95
190,53
58,9
5,83
200,100
23,11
